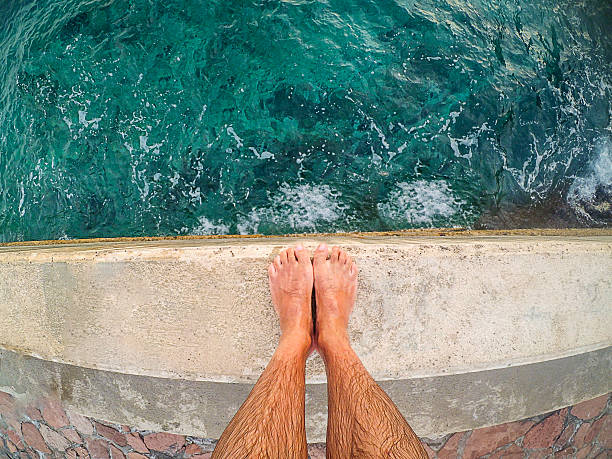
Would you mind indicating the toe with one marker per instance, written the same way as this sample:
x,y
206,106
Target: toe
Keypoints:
x,y
354,270
335,253
283,257
321,254
302,254
277,262
291,255
342,257
271,270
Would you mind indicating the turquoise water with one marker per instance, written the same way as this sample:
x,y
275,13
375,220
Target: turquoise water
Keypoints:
x,y
129,118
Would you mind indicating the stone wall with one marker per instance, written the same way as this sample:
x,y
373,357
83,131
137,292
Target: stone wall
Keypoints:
x,y
45,429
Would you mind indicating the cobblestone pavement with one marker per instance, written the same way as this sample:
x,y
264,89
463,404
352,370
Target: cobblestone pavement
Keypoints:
x,y
47,430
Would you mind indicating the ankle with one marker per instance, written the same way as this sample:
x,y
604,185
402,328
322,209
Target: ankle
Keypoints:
x,y
330,342
294,343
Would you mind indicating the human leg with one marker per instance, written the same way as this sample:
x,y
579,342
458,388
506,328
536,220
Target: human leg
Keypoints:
x,y
363,421
270,423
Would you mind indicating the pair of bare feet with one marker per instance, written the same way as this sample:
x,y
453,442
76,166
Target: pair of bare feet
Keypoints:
x,y
362,419
292,276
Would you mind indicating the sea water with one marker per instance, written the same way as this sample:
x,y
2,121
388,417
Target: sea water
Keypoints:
x,y
150,117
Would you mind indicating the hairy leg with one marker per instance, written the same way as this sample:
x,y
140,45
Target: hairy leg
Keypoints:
x,y
363,421
270,423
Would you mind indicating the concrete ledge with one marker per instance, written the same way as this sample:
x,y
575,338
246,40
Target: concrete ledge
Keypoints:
x,y
196,313
433,405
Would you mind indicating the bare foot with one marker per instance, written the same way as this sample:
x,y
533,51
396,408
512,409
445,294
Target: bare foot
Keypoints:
x,y
291,278
335,282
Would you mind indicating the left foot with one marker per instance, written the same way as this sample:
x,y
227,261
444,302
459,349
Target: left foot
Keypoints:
x,y
291,279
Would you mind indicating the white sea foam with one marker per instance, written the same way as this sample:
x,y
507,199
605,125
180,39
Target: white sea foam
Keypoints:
x,y
583,189
143,139
420,203
230,131
262,155
302,208
207,227
21,200
85,122
469,141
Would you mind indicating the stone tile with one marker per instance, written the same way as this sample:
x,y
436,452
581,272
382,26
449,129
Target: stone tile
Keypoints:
x,y
55,440
98,449
136,443
517,455
164,442
605,433
80,423
316,451
79,452
544,434
488,439
540,454
71,435
15,438
579,437
192,448
514,452
111,434
594,429
584,452
33,438
82,452
590,408
54,415
449,450
116,453
7,403
34,413
136,456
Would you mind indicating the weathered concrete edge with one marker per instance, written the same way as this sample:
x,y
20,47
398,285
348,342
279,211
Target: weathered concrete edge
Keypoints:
x,y
417,232
433,405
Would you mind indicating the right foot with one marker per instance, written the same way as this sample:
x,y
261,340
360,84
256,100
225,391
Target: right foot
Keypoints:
x,y
335,284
